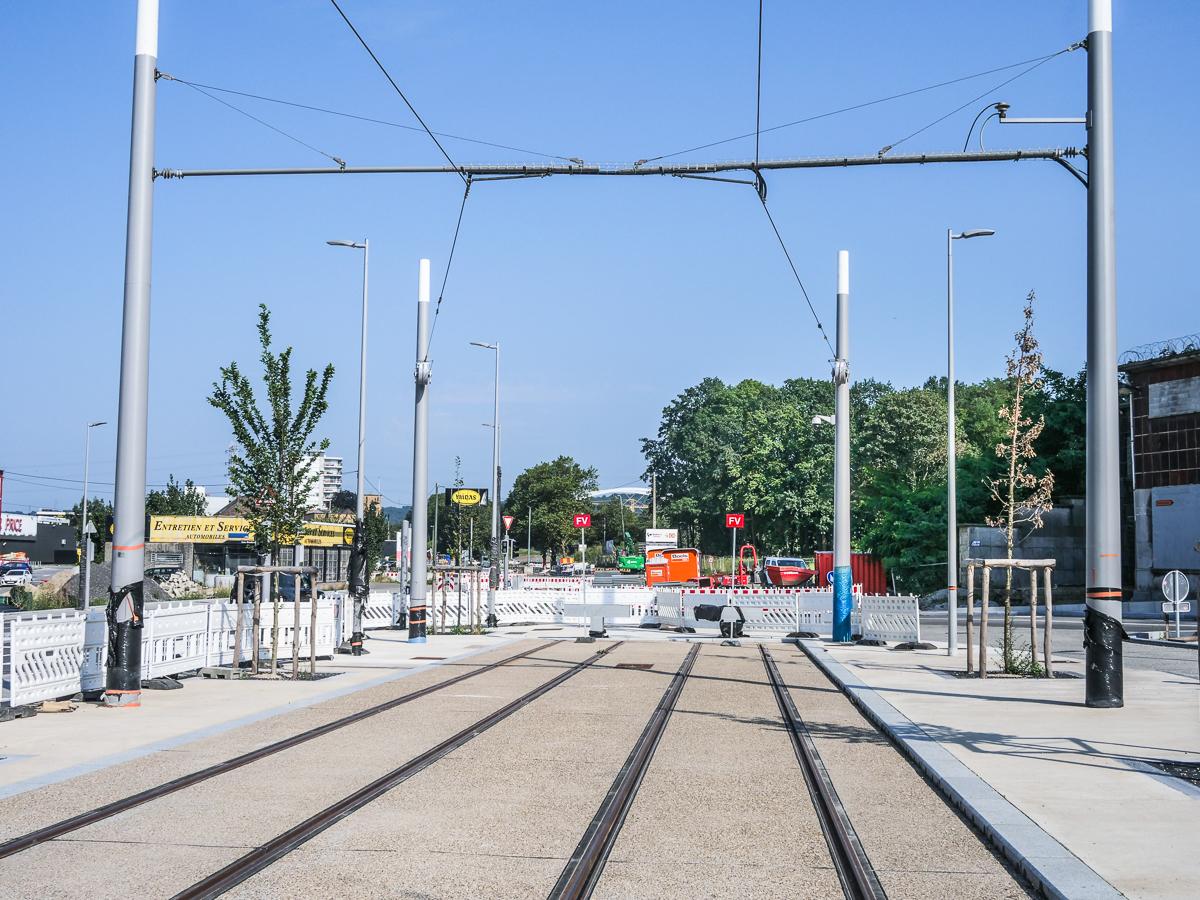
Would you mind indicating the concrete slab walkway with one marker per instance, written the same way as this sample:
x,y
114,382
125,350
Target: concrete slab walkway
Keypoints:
x,y
1083,775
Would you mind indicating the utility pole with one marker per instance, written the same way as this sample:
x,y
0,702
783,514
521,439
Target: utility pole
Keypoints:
x,y
123,669
417,609
952,446
653,500
437,502
360,578
843,580
86,528
1102,620
529,539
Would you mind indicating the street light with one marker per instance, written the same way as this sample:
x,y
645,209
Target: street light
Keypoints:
x,y
85,595
951,449
363,583
491,613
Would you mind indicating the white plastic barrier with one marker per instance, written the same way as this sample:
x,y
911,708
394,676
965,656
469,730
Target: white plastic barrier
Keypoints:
x,y
60,652
42,655
889,618
767,610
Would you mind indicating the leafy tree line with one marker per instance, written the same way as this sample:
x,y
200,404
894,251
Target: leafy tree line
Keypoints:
x,y
754,448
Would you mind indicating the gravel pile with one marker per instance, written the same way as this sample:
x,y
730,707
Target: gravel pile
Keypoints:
x,y
179,585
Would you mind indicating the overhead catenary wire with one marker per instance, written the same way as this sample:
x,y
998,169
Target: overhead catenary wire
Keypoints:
x,y
976,99
369,119
799,281
864,105
449,262
396,87
758,86
237,109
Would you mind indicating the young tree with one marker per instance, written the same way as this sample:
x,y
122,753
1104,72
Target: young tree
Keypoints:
x,y
270,468
176,500
100,514
1022,496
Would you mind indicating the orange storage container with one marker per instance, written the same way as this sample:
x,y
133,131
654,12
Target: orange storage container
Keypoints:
x,y
674,566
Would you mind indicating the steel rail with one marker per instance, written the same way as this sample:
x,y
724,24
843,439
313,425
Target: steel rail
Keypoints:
x,y
91,817
282,844
818,162
854,869
583,869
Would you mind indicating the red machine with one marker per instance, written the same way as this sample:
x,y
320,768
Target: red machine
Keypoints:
x,y
744,576
787,571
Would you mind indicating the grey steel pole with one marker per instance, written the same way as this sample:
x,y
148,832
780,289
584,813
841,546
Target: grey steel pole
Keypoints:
x,y
437,502
529,539
123,668
493,569
417,611
951,462
843,582
653,501
363,582
85,595
1102,621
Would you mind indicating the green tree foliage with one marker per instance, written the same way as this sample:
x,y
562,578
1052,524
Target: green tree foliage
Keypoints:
x,y
270,469
454,523
556,490
100,513
753,448
176,499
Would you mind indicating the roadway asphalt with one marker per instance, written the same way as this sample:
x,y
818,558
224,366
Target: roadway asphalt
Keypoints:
x,y
1068,641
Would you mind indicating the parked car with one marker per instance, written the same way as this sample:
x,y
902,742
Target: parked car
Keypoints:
x,y
16,573
158,573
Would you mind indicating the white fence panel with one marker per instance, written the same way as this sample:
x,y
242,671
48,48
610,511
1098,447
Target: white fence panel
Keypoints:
x,y
888,618
175,637
42,655
222,632
527,606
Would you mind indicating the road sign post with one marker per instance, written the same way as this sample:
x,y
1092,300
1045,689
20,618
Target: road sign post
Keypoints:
x,y
734,521
1175,588
583,521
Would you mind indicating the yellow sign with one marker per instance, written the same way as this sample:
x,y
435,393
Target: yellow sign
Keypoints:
x,y
221,529
199,529
465,497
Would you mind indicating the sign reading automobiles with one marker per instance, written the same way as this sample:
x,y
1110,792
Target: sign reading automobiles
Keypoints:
x,y
222,529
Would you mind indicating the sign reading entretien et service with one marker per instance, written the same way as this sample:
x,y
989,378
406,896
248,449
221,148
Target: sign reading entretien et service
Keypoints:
x,y
222,529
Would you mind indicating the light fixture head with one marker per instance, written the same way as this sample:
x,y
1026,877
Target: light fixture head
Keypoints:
x,y
352,244
976,232
483,345
94,424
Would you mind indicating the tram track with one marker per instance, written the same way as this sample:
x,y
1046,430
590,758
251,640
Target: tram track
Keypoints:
x,y
262,856
107,810
583,869
854,870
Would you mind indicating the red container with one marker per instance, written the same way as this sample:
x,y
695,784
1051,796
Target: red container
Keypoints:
x,y
865,568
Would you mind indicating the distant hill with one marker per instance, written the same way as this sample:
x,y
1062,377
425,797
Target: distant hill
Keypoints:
x,y
396,514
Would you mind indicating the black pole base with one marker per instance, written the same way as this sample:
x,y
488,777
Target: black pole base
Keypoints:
x,y
492,621
1104,667
123,669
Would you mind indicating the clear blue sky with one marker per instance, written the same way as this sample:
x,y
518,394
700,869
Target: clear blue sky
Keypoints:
x,y
608,295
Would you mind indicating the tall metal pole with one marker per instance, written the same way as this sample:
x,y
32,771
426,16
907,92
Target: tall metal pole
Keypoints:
x,y
362,583
529,539
417,618
653,501
437,502
1102,621
85,596
123,669
493,569
951,462
843,600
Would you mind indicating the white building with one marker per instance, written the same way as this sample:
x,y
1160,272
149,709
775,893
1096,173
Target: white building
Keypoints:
x,y
331,479
328,470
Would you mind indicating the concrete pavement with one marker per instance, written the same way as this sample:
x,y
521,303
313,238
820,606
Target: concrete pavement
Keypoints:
x,y
1083,775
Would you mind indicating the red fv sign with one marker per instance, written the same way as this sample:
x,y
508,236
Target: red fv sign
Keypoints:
x,y
735,520
583,520
508,520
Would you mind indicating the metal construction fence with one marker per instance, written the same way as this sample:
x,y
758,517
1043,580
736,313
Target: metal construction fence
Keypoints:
x,y
57,653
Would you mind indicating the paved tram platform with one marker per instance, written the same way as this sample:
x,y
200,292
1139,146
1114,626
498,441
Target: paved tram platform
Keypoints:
x,y
640,766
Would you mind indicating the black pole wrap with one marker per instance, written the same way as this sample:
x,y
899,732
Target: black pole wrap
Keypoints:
x,y
360,587
1102,636
123,669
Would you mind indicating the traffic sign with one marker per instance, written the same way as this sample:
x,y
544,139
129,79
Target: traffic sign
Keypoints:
x,y
735,520
508,520
1169,606
1175,586
583,520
